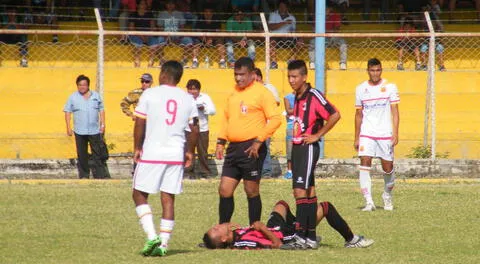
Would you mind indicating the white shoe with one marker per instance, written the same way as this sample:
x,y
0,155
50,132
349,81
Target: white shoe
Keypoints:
x,y
312,65
387,202
359,242
343,66
369,207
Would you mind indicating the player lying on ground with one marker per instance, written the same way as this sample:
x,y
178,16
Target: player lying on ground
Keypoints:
x,y
279,229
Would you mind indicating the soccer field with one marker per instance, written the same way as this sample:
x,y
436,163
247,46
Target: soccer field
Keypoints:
x,y
71,221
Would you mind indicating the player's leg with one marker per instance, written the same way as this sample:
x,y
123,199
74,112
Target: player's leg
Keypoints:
x,y
385,152
226,204
145,216
252,190
366,150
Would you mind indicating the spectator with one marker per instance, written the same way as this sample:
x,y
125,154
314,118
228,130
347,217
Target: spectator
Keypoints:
x,y
251,7
239,23
209,23
17,39
219,5
411,9
332,25
143,20
205,108
189,13
407,43
172,20
267,163
40,15
126,8
89,128
342,5
281,21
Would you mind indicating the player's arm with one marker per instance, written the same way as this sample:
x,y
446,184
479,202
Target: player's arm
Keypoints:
x,y
259,226
395,123
138,137
358,123
331,121
327,111
102,121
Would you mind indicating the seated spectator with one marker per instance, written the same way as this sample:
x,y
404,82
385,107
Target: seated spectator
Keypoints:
x,y
342,5
281,21
172,20
251,8
407,43
439,48
188,10
219,5
332,24
209,23
126,8
143,20
18,39
239,23
40,16
451,8
412,9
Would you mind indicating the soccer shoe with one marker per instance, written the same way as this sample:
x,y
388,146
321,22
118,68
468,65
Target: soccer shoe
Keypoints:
x,y
418,66
273,65
387,202
310,244
159,251
150,245
311,65
288,175
195,64
369,207
343,66
400,67
359,242
222,64
442,68
297,243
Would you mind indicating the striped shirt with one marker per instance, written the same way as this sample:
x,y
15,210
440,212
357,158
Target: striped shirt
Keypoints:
x,y
246,114
86,119
249,238
309,112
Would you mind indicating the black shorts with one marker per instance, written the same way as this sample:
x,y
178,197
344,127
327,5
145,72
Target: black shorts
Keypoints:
x,y
239,166
276,221
304,160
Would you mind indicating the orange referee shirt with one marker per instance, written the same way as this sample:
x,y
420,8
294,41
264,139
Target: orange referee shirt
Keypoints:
x,y
247,112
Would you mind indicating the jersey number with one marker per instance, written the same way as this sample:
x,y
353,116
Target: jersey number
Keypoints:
x,y
172,110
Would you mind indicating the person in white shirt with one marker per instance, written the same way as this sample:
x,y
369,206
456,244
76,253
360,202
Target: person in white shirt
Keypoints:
x,y
267,163
281,21
376,131
163,113
205,108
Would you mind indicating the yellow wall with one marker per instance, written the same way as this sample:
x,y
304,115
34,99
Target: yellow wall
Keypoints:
x,y
32,121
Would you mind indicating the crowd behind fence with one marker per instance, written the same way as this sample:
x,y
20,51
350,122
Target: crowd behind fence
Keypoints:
x,y
103,47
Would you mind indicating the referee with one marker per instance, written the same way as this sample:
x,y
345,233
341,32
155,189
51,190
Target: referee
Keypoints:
x,y
245,127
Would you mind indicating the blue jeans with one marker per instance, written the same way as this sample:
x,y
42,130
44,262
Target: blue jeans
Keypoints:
x,y
250,50
267,163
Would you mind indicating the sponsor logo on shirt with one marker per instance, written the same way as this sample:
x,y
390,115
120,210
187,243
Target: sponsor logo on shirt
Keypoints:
x,y
243,108
361,148
383,89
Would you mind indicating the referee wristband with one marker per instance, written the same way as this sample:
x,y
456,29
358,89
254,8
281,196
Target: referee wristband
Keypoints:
x,y
221,141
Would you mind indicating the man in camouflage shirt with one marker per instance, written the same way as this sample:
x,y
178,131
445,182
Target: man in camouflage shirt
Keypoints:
x,y
133,96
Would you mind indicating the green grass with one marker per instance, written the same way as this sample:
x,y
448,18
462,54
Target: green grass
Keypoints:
x,y
87,222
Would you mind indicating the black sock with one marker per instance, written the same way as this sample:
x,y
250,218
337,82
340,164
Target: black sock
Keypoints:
x,y
254,209
312,218
302,217
225,209
336,221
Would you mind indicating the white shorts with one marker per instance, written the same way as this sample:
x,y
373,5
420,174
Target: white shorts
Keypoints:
x,y
381,148
154,178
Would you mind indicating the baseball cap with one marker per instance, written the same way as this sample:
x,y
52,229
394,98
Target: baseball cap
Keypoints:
x,y
146,77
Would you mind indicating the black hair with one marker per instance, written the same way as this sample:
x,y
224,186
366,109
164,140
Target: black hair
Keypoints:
x,y
207,240
245,62
409,21
82,77
258,72
195,83
173,69
373,62
298,65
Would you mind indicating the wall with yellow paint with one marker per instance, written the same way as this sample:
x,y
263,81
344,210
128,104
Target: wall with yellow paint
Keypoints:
x,y
32,121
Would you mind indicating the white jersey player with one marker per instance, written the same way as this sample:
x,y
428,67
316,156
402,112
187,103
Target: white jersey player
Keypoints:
x,y
163,113
376,131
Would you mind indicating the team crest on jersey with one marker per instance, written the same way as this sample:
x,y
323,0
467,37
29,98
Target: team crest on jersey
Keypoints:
x,y
243,108
304,106
298,128
383,89
361,148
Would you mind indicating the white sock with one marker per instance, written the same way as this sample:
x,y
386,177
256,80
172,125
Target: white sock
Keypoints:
x,y
144,213
389,179
166,228
366,183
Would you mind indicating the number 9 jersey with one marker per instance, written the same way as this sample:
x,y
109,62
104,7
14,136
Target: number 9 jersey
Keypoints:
x,y
168,110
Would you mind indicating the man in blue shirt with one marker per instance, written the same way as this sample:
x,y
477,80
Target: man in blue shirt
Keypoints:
x,y
88,127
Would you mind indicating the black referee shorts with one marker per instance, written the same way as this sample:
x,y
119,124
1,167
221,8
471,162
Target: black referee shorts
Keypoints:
x,y
239,166
304,160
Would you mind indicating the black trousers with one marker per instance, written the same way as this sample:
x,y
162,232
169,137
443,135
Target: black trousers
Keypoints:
x,y
97,162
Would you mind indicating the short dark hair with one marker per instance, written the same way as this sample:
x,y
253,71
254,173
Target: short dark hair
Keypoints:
x,y
82,77
195,83
298,65
207,240
245,62
258,72
173,69
373,62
